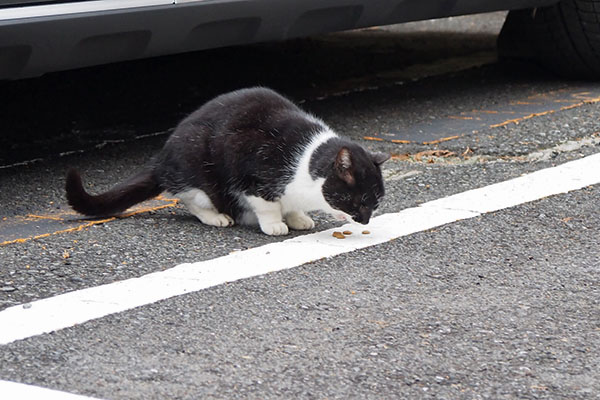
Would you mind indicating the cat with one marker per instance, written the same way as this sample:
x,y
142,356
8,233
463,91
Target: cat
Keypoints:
x,y
251,157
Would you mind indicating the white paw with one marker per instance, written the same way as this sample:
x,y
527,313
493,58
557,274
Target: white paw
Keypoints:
x,y
275,228
299,222
217,220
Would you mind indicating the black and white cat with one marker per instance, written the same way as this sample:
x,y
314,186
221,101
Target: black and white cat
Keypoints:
x,y
252,157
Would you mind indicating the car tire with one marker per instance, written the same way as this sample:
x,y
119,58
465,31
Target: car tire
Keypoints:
x,y
564,38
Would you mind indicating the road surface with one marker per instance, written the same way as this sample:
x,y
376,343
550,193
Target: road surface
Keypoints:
x,y
479,277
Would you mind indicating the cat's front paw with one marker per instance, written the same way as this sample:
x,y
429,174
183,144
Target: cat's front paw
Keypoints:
x,y
215,219
275,228
299,222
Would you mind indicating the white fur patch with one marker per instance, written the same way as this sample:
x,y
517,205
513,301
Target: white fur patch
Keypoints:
x,y
304,193
299,221
269,215
199,204
197,197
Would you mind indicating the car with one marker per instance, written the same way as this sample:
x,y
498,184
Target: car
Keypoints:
x,y
37,37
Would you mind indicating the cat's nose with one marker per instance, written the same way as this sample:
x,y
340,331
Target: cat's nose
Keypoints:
x,y
363,216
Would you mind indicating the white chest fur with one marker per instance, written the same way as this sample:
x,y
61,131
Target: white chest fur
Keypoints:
x,y
303,192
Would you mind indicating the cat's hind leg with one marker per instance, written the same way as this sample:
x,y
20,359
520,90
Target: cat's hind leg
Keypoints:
x,y
199,204
269,215
299,221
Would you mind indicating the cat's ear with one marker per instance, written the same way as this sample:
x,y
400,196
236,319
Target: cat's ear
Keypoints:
x,y
344,167
379,158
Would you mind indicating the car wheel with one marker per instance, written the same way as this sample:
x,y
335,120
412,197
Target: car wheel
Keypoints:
x,y
564,38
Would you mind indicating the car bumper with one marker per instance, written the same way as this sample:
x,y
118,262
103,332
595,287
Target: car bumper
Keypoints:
x,y
34,41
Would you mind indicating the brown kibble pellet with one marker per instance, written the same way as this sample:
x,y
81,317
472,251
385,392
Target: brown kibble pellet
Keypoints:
x,y
338,235
347,232
366,232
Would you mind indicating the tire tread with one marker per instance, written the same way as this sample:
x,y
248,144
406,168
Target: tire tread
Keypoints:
x,y
564,37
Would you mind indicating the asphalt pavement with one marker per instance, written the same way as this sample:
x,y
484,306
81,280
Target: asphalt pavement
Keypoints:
x,y
502,305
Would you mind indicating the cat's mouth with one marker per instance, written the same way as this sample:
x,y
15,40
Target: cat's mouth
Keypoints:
x,y
359,219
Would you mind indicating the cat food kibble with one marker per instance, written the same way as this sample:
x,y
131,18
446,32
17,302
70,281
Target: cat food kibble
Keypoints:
x,y
366,232
338,235
347,232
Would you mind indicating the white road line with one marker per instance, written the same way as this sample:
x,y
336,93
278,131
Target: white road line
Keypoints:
x,y
14,390
47,315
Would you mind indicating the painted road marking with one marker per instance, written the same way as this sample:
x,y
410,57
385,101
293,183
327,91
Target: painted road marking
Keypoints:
x,y
471,122
69,309
14,390
20,229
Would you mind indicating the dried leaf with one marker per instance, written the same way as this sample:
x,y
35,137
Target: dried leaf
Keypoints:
x,y
401,157
435,153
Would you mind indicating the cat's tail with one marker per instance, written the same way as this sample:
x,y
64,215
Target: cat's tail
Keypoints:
x,y
141,186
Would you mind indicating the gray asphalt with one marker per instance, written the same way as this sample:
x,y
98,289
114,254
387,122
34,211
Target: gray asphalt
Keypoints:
x,y
500,306
463,311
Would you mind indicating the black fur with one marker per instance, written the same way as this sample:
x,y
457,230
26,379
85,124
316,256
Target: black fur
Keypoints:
x,y
241,142
141,186
355,189
245,142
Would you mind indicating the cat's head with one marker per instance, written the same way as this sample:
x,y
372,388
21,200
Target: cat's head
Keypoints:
x,y
355,186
